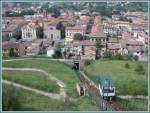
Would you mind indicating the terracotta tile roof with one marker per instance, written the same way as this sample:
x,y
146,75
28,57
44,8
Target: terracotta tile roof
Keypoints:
x,y
10,44
85,18
31,25
97,28
134,48
76,28
130,42
126,35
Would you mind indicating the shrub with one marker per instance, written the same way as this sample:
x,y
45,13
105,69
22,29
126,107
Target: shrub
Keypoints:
x,y
127,65
88,62
57,54
118,56
140,69
78,36
136,58
108,54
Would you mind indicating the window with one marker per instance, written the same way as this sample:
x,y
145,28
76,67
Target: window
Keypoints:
x,y
51,28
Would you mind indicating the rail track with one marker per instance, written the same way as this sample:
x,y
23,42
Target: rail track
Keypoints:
x,y
93,92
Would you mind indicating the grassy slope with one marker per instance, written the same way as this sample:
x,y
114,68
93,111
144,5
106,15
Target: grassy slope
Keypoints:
x,y
57,69
34,102
32,79
127,81
134,104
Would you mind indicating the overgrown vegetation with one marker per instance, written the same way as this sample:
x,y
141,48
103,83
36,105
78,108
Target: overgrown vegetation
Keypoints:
x,y
11,98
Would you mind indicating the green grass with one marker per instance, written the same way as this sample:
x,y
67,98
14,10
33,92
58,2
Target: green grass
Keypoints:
x,y
57,69
35,102
134,104
86,104
127,81
32,79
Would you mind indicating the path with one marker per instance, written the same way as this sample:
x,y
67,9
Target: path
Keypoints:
x,y
132,97
61,60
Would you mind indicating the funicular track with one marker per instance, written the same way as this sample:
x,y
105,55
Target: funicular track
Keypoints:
x,y
93,92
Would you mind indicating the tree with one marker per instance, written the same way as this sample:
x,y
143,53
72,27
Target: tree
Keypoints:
x,y
54,11
78,36
57,54
39,32
11,98
98,50
61,27
11,52
17,35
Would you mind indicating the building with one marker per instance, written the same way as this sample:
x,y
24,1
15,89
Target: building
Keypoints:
x,y
29,32
71,31
32,47
86,49
12,46
120,24
50,51
11,26
131,46
51,32
97,32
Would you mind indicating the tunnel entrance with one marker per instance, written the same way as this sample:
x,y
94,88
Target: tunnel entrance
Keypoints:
x,y
76,64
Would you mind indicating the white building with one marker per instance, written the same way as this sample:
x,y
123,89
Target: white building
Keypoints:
x,y
71,31
29,32
50,51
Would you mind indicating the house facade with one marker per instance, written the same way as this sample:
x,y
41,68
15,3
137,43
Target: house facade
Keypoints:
x,y
51,32
29,32
71,31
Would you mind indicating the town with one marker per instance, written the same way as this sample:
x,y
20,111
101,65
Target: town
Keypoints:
x,y
90,32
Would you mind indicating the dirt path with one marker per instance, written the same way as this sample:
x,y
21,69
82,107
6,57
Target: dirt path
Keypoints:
x,y
61,60
132,97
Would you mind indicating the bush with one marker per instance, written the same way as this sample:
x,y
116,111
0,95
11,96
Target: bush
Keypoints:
x,y
140,69
136,58
57,54
108,54
78,36
111,55
118,56
130,57
127,65
88,62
